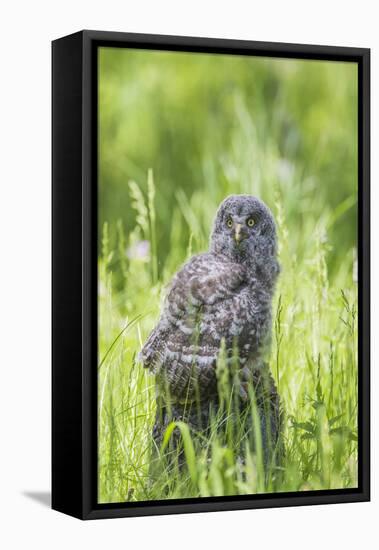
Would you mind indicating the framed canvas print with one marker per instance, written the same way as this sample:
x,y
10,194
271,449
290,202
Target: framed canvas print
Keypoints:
x,y
210,275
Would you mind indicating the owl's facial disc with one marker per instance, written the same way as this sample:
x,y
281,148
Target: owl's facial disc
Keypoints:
x,y
239,228
243,229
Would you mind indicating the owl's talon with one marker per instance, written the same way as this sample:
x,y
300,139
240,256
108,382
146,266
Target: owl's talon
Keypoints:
x,y
246,374
243,393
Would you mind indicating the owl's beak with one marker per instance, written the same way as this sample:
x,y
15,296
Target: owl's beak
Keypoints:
x,y
238,236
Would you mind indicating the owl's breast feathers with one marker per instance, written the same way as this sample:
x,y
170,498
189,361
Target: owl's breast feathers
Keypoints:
x,y
210,300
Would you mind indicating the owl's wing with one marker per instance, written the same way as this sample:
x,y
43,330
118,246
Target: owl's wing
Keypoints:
x,y
153,352
204,280
179,348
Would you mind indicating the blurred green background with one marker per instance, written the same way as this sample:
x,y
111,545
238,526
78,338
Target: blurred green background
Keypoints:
x,y
179,132
211,125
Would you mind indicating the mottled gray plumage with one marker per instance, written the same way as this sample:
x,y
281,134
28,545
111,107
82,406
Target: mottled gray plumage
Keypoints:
x,y
221,297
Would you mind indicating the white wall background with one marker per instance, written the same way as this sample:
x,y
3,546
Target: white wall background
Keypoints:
x,y
26,31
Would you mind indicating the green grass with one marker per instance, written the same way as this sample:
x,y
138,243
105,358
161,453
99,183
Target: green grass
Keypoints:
x,y
283,131
313,360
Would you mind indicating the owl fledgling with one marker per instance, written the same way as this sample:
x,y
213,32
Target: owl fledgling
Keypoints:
x,y
220,300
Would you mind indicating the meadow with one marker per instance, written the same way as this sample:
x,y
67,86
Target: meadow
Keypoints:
x,y
177,134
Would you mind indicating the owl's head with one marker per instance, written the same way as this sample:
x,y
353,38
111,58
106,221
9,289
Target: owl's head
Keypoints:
x,y
244,230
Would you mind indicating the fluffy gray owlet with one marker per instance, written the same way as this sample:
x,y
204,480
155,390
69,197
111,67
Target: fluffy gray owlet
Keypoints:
x,y
220,299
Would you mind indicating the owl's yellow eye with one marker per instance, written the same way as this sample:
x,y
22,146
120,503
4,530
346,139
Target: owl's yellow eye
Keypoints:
x,y
250,222
229,222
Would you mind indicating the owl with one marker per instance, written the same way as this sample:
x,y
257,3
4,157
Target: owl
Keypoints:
x,y
219,304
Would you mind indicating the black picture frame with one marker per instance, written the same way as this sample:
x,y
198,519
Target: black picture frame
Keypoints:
x,y
74,273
